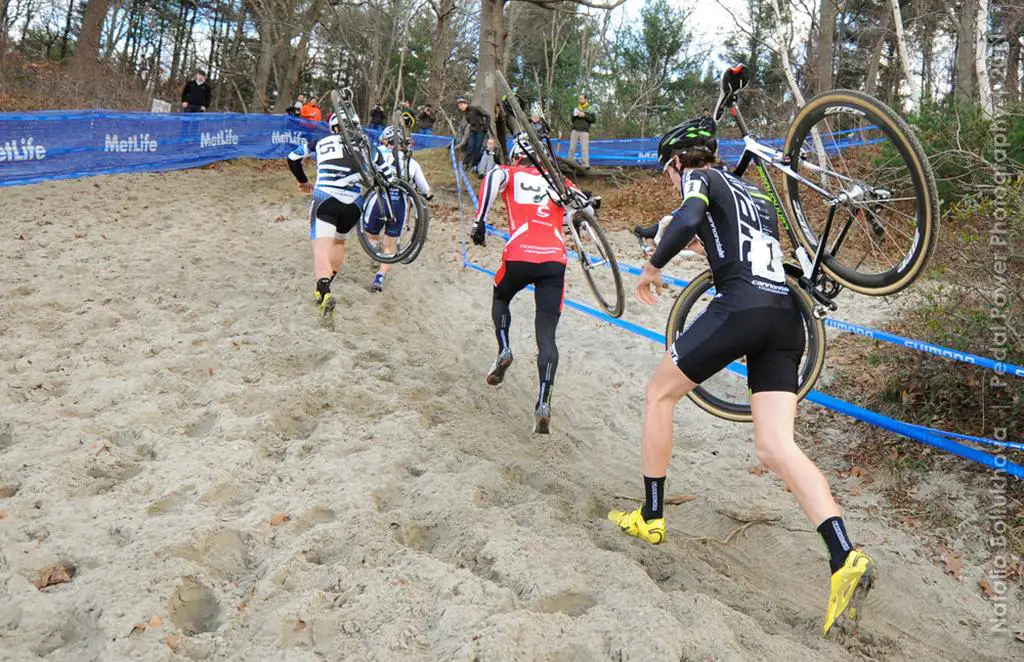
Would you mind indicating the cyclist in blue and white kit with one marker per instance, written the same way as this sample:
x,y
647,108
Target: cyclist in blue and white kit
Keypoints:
x,y
375,222
335,208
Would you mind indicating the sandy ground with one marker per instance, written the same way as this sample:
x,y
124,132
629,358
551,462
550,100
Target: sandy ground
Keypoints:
x,y
166,394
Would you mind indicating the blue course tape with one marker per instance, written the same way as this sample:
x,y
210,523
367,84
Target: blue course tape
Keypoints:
x,y
848,327
935,438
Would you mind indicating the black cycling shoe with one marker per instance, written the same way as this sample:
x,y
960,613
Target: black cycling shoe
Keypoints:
x,y
649,232
542,419
501,364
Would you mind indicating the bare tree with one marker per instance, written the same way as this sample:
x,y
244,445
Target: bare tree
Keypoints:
x,y
901,44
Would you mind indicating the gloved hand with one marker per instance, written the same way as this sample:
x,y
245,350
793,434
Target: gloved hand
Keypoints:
x,y
428,197
479,235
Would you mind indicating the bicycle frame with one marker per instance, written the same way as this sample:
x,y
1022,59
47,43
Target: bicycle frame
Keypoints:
x,y
762,156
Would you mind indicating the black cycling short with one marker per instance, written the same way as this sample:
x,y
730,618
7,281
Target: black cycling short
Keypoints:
x,y
330,218
772,339
547,278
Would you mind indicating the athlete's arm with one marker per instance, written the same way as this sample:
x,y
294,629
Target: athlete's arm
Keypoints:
x,y
685,220
295,162
494,185
419,179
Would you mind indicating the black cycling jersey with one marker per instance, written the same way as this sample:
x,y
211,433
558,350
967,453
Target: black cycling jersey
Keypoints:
x,y
737,224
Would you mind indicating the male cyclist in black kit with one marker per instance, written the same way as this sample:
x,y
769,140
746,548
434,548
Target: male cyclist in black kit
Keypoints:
x,y
753,315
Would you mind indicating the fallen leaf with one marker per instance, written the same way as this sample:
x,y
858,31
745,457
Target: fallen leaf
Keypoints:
x,y
951,561
3,514
21,237
854,491
987,589
300,625
210,370
857,472
759,470
680,499
279,219
172,641
55,574
279,519
155,621
138,627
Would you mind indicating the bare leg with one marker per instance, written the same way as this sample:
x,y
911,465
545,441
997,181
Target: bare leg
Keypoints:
x,y
774,413
323,252
337,255
664,390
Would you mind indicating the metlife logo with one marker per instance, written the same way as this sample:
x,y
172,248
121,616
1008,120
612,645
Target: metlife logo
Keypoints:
x,y
222,138
24,149
287,138
140,142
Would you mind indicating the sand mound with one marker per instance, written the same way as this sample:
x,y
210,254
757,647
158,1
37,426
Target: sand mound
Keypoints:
x,y
230,481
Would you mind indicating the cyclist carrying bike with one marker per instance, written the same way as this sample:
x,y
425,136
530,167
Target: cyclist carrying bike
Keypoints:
x,y
534,255
752,315
375,221
335,208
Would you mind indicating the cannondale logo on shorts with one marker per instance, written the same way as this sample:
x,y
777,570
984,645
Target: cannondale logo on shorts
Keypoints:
x,y
673,353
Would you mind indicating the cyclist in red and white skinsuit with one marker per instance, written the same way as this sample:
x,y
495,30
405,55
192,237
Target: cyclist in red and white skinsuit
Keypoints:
x,y
534,255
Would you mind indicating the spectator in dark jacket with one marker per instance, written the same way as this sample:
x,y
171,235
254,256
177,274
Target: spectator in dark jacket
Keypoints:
x,y
539,125
478,124
377,118
426,119
582,118
195,97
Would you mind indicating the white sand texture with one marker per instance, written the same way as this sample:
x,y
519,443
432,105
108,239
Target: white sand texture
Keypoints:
x,y
223,479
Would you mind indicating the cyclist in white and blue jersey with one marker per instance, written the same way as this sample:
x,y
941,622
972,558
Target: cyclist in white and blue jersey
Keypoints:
x,y
335,208
375,222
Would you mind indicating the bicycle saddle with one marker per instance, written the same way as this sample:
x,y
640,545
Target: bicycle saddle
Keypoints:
x,y
734,79
648,232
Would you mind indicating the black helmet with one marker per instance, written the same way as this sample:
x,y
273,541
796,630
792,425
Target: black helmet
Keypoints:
x,y
694,135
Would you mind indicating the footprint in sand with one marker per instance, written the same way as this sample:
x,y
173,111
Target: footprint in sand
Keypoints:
x,y
194,608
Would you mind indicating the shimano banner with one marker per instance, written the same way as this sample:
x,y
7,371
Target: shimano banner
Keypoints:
x,y
37,147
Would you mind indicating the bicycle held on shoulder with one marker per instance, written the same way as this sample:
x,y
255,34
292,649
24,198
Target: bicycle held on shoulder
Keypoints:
x,y
395,198
594,253
866,212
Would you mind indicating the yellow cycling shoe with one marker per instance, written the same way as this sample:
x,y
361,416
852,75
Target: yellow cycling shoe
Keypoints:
x,y
327,306
850,584
317,296
634,524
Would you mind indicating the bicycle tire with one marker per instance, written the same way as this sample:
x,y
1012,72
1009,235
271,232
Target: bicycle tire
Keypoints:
x,y
419,232
616,308
909,148
810,371
545,161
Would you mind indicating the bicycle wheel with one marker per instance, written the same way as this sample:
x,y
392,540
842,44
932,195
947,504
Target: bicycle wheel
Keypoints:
x,y
545,162
421,230
884,230
400,210
597,260
725,394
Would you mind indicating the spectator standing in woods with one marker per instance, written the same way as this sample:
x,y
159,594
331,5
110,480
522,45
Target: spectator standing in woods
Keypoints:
x,y
195,97
539,125
582,118
477,124
377,118
426,119
311,111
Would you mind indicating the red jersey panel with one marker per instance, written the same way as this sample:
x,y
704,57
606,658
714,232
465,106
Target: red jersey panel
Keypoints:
x,y
534,219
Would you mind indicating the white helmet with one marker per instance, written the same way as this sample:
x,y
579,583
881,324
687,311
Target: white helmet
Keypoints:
x,y
388,135
521,147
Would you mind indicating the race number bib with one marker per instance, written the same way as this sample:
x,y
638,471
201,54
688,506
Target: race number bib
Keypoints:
x,y
530,190
763,254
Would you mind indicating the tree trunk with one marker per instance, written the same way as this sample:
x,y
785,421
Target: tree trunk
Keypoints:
x,y
965,82
263,65
901,43
88,48
871,82
826,45
927,57
1012,83
67,31
492,50
439,51
981,59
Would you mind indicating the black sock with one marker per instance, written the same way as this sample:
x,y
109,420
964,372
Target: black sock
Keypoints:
x,y
833,532
333,274
323,286
654,498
